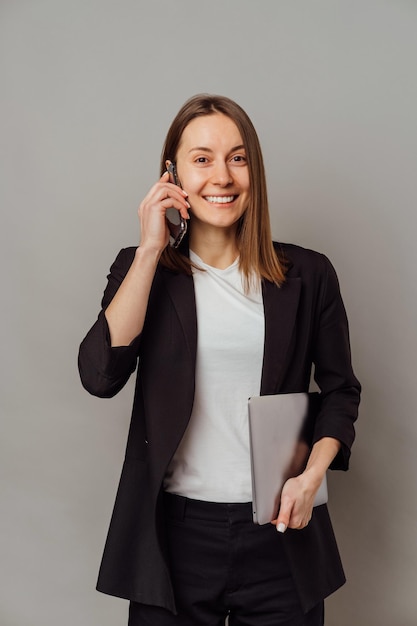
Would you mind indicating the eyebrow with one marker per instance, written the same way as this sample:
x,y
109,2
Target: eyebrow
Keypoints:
x,y
205,149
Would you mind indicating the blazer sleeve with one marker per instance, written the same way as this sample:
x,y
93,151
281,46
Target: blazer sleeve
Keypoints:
x,y
333,371
104,369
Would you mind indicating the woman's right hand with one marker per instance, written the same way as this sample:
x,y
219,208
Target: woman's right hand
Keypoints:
x,y
126,312
162,196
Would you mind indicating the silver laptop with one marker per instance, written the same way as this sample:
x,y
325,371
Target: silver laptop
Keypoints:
x,y
280,429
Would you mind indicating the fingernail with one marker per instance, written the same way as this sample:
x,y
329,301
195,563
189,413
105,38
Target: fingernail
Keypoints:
x,y
188,204
281,528
185,194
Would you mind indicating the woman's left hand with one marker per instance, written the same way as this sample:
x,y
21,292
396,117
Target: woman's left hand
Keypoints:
x,y
297,497
296,506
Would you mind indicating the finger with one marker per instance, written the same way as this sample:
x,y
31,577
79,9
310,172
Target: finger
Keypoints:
x,y
163,189
169,203
164,196
284,515
167,190
300,519
172,193
167,177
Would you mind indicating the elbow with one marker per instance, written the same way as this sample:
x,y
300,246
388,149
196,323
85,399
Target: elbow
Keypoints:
x,y
97,383
98,386
99,389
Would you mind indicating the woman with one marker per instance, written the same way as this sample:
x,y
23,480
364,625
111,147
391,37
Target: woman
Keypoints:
x,y
182,546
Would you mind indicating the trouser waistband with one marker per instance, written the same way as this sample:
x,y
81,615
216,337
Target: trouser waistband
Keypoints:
x,y
180,507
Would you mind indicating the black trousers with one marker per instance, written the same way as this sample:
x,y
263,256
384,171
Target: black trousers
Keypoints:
x,y
223,565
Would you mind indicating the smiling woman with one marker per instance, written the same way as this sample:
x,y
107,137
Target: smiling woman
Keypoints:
x,y
226,315
252,233
212,168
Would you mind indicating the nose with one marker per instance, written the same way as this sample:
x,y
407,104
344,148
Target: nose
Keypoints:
x,y
222,175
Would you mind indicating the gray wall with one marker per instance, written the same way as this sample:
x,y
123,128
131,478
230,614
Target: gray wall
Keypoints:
x,y
88,88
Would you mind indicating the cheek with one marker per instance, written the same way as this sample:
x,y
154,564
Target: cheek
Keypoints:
x,y
190,181
246,182
182,174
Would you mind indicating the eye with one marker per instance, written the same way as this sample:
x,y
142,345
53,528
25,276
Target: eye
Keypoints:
x,y
239,158
201,160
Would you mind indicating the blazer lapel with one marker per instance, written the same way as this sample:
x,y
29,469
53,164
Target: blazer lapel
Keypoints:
x,y
181,290
280,307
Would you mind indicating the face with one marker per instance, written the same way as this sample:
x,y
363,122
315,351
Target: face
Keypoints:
x,y
213,170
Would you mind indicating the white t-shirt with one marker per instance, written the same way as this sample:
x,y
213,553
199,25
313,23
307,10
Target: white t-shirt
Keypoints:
x,y
212,462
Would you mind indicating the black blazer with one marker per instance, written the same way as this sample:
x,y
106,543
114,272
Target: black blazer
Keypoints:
x,y
305,323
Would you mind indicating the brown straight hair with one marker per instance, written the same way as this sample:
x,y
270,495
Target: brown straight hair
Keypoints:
x,y
256,251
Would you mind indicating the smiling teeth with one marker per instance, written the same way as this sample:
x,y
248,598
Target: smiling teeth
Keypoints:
x,y
220,199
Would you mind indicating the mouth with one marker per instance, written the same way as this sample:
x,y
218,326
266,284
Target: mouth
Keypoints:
x,y
220,199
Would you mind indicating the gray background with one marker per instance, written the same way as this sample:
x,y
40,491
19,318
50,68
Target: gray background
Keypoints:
x,y
88,88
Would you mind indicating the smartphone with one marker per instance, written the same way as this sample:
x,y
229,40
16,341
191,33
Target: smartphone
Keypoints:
x,y
176,223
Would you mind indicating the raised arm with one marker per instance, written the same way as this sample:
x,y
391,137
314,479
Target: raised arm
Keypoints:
x,y
108,353
125,314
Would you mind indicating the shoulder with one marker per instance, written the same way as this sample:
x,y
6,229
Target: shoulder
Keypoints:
x,y
315,270
125,256
302,261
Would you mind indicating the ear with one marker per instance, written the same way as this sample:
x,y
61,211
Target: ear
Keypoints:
x,y
167,163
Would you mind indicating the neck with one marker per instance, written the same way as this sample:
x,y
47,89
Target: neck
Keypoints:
x,y
216,248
